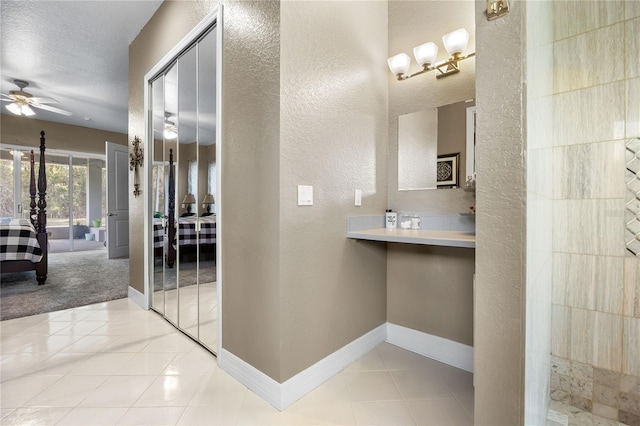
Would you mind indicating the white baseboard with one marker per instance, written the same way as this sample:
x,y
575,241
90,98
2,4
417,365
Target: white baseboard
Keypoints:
x,y
309,379
438,348
138,298
281,395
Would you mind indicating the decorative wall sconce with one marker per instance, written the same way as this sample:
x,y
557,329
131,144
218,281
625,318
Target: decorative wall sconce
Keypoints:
x,y
496,9
136,159
455,42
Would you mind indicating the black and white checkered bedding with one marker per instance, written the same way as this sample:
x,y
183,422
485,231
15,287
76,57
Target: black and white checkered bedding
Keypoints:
x,y
18,241
187,234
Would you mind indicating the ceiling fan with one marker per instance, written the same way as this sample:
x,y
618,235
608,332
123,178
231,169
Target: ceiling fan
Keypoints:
x,y
21,101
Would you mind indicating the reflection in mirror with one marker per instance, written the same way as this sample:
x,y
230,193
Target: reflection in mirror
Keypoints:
x,y
208,299
170,146
183,122
188,146
417,150
428,144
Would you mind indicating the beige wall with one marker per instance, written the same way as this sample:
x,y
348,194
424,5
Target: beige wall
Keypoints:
x,y
414,274
333,133
501,246
250,200
442,277
16,130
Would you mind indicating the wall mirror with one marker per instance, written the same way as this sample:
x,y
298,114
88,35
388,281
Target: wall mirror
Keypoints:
x,y
182,111
436,147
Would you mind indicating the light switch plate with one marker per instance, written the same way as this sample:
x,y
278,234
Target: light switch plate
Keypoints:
x,y
305,195
358,197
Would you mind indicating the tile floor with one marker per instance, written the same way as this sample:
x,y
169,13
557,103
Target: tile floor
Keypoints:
x,y
113,363
561,414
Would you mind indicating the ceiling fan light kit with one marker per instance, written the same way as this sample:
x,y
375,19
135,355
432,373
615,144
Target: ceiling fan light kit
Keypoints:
x,y
21,101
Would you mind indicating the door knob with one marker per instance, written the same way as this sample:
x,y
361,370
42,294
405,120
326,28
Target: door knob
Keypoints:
x,y
112,214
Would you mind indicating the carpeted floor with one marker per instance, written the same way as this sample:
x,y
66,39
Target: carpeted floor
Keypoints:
x,y
74,279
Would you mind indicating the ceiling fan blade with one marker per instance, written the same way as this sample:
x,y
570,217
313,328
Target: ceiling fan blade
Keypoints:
x,y
53,109
43,100
6,97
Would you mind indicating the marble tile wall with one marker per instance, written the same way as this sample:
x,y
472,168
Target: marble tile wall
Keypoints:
x,y
595,341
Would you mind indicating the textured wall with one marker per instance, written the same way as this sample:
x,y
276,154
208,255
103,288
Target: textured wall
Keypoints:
x,y
412,23
500,253
596,287
445,304
334,137
250,205
297,112
17,130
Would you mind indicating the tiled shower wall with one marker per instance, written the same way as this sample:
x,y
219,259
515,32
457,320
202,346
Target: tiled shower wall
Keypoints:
x,y
595,342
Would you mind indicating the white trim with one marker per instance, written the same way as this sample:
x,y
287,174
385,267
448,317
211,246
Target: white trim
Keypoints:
x,y
219,157
282,395
215,16
206,22
309,379
438,348
138,298
285,394
471,142
258,382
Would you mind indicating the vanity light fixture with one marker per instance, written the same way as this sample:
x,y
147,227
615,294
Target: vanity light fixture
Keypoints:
x,y
454,42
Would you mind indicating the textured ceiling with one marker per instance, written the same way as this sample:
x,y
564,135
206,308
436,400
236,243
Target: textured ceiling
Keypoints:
x,y
76,52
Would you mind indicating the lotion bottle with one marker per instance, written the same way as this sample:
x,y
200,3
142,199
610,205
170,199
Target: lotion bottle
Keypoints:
x,y
391,219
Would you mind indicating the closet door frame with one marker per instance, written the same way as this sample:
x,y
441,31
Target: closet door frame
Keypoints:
x,y
214,18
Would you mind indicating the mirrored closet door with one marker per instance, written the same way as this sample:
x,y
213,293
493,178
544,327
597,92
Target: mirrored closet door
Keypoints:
x,y
182,102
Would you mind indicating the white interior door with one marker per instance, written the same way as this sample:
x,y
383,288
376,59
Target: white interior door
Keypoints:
x,y
117,200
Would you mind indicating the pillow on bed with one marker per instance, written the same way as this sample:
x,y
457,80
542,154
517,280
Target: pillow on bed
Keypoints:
x,y
5,219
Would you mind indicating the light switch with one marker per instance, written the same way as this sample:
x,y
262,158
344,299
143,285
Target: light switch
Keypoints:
x,y
305,195
358,197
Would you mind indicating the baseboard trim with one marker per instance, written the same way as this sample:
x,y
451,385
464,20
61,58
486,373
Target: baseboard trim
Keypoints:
x,y
309,379
281,395
258,382
138,298
429,345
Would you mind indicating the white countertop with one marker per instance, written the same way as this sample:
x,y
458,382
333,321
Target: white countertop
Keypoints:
x,y
432,237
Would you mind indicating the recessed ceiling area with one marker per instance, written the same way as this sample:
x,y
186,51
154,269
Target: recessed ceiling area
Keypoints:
x,y
76,52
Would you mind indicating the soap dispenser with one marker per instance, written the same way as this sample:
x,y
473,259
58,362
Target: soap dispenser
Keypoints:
x,y
391,219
